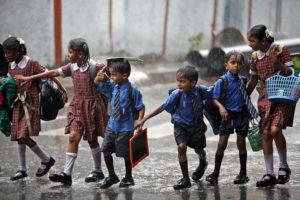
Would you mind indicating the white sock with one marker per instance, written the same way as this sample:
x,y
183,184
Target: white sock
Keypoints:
x,y
70,160
269,164
96,153
22,157
41,154
282,161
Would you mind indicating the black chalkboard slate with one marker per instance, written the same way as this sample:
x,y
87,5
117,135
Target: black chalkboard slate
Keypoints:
x,y
138,147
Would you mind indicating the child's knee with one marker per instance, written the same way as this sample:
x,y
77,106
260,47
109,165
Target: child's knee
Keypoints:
x,y
182,148
74,137
222,146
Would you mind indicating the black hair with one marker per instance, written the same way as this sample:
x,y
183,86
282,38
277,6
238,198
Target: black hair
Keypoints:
x,y
234,53
188,72
78,45
259,32
14,43
3,63
121,65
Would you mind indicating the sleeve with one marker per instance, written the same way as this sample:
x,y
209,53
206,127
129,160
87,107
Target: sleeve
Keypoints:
x,y
286,58
65,71
253,70
138,99
169,104
38,68
217,89
206,92
106,87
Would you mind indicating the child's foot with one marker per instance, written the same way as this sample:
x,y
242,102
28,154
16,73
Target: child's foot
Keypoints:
x,y
267,180
41,172
182,184
109,181
212,178
241,179
283,175
61,177
20,174
94,176
126,182
198,173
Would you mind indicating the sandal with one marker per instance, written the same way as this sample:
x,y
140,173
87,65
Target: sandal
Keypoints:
x,y
282,179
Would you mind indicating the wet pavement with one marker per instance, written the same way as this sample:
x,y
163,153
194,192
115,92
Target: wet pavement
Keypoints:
x,y
154,177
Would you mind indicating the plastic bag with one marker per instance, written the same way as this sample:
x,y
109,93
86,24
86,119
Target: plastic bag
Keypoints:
x,y
254,136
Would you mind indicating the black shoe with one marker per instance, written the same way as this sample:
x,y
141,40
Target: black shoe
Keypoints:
x,y
198,173
41,172
126,182
94,176
241,179
182,184
109,181
61,177
20,174
266,181
282,179
212,178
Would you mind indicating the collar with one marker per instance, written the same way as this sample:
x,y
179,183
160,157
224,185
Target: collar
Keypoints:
x,y
193,92
84,67
22,64
124,85
261,55
231,76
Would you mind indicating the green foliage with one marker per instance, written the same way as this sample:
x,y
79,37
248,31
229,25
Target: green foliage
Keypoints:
x,y
195,42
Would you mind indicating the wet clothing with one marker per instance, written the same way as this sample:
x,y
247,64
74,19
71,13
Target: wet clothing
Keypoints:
x,y
26,67
233,99
194,136
238,120
272,114
86,113
116,142
184,112
126,122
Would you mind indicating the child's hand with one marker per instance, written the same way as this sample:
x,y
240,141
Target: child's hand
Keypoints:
x,y
65,97
25,79
274,54
101,76
138,124
223,113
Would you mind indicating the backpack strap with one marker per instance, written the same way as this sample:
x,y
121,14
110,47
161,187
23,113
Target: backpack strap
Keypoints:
x,y
254,53
224,88
92,69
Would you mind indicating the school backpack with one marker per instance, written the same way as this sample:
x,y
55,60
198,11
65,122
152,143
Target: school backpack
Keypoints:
x,y
135,112
93,73
210,111
51,100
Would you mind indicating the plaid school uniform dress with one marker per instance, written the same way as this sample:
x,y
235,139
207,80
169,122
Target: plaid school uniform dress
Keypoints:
x,y
86,112
272,114
19,124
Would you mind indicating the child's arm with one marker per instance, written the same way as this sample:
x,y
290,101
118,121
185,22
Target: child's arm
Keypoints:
x,y
140,122
65,96
274,55
101,76
251,84
141,115
222,109
48,74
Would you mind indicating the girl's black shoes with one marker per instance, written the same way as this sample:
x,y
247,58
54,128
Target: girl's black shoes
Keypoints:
x,y
282,179
41,172
94,176
212,178
20,174
267,180
61,177
109,181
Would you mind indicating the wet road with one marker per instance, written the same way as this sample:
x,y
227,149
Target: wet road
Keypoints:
x,y
155,176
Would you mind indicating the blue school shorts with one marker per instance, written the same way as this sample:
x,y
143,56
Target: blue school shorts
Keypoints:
x,y
194,136
238,121
116,142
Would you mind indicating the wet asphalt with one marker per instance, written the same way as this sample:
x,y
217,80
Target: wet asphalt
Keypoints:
x,y
154,177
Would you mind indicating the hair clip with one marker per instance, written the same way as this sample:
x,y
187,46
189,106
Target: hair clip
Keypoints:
x,y
84,46
21,41
268,33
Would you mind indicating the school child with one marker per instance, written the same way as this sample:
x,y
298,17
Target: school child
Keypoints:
x,y
121,125
87,116
274,116
234,113
185,106
26,118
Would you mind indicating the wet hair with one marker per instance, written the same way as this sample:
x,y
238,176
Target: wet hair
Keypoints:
x,y
3,63
260,32
78,45
188,72
122,66
14,43
234,53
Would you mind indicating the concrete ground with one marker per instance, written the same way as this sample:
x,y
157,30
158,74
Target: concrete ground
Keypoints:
x,y
154,177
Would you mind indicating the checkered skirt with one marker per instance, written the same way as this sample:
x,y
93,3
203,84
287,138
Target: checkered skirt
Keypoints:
x,y
272,114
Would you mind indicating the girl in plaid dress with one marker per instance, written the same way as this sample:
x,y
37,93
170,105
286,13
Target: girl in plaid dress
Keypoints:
x,y
274,116
25,126
87,116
